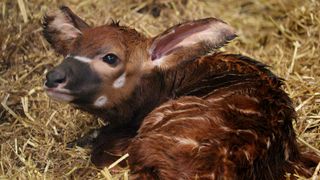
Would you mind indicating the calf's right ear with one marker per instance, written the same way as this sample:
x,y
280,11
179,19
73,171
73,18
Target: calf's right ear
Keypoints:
x,y
61,27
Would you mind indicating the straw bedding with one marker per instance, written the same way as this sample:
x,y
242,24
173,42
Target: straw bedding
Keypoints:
x,y
34,130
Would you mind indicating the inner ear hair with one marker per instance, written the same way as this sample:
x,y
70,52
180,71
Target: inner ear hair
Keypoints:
x,y
74,19
189,40
61,27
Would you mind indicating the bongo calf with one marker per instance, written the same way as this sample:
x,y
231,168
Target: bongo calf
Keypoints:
x,y
178,106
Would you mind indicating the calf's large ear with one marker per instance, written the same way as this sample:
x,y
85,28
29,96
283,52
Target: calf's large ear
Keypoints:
x,y
61,27
188,41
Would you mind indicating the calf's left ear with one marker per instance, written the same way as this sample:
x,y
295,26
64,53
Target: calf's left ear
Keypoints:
x,y
188,41
61,27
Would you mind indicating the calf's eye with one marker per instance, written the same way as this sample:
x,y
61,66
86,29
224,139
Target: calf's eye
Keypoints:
x,y
111,59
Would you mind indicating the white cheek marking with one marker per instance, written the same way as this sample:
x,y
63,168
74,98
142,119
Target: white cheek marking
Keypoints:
x,y
118,83
101,101
82,59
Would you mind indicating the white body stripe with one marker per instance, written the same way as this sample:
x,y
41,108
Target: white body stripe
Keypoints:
x,y
118,83
186,141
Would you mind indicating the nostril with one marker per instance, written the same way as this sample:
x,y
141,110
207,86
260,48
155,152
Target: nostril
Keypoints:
x,y
54,78
60,80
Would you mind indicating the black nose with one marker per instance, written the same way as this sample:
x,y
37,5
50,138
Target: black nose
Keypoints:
x,y
54,78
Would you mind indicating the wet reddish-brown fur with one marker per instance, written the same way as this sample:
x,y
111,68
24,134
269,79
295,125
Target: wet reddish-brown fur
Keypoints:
x,y
219,116
244,111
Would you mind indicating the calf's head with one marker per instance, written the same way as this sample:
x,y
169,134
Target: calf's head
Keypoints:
x,y
103,65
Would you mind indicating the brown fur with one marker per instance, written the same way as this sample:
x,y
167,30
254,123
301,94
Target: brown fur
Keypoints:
x,y
218,116
239,128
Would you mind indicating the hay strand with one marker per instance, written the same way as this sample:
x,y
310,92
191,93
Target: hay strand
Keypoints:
x,y
23,10
118,161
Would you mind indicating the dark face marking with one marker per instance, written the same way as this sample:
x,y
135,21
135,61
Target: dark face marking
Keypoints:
x,y
82,82
101,67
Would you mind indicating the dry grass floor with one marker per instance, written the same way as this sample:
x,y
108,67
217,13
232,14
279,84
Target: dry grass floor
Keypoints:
x,y
34,130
